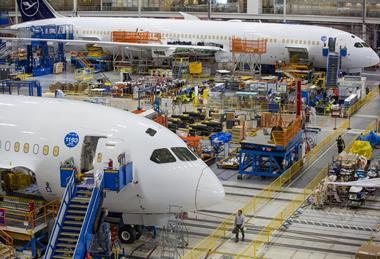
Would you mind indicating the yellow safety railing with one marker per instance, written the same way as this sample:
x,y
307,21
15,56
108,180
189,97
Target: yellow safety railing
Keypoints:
x,y
29,219
84,74
356,106
313,154
7,239
209,244
372,126
263,237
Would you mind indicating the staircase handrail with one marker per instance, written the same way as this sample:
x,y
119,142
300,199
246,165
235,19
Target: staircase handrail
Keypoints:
x,y
70,189
8,239
84,240
3,45
49,209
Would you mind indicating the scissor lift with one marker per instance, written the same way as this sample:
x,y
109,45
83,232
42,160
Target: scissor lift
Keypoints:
x,y
260,157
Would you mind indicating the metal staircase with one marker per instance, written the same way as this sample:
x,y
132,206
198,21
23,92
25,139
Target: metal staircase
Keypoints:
x,y
5,51
332,73
81,204
84,62
75,219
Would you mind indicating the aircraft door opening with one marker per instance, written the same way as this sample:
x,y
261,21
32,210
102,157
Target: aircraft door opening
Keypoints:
x,y
298,55
110,153
89,147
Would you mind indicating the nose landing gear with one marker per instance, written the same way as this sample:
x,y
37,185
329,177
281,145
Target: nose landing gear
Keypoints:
x,y
129,234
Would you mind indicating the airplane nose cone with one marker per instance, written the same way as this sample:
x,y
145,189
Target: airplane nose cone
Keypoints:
x,y
376,60
372,59
209,191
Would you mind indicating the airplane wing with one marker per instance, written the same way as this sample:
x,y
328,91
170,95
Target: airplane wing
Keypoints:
x,y
117,44
187,16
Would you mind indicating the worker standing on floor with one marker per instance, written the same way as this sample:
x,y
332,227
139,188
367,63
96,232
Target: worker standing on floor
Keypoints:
x,y
340,143
239,225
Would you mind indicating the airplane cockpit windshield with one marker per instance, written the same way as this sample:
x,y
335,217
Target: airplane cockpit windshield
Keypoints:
x,y
365,45
361,45
358,45
183,154
162,156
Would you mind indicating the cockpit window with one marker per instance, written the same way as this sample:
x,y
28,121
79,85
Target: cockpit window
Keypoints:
x,y
358,45
184,154
365,45
162,156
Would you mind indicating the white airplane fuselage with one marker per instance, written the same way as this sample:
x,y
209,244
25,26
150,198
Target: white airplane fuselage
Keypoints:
x,y
33,129
280,37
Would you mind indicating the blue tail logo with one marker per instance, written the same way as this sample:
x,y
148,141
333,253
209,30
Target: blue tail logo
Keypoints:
x,y
32,10
30,7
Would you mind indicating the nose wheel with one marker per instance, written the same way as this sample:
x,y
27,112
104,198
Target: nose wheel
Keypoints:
x,y
128,234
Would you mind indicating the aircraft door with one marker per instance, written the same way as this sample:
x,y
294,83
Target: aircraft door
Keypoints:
x,y
88,153
110,153
332,44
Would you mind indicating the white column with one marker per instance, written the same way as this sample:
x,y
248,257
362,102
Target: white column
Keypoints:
x,y
209,7
364,26
75,7
254,7
16,12
285,4
139,7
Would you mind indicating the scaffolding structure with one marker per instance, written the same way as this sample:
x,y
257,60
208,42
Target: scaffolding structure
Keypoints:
x,y
135,37
246,54
174,236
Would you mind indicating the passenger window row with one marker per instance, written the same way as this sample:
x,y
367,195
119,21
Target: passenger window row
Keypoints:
x,y
205,37
26,148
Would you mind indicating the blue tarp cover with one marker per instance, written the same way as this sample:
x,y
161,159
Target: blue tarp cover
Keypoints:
x,y
221,137
372,138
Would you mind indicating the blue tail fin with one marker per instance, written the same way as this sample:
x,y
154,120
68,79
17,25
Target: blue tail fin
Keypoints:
x,y
33,10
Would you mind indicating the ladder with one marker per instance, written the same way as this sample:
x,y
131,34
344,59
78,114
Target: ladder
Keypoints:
x,y
179,65
332,69
84,62
72,231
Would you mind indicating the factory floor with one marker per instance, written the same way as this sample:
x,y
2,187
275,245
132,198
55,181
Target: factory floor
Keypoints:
x,y
331,233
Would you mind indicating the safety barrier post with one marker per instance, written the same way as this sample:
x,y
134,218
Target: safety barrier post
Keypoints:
x,y
224,230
